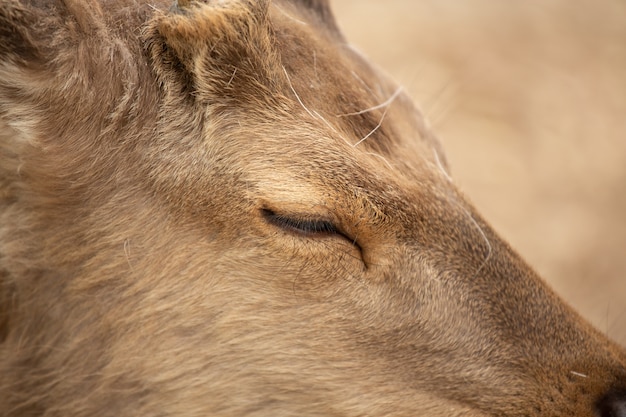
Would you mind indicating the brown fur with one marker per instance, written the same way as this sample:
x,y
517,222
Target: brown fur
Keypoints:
x,y
142,148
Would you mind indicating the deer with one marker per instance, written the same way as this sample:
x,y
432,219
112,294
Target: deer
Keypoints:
x,y
221,208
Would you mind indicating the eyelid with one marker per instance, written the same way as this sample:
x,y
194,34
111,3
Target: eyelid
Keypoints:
x,y
301,224
309,226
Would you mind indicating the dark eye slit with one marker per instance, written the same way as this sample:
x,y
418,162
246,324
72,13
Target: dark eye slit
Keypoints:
x,y
302,225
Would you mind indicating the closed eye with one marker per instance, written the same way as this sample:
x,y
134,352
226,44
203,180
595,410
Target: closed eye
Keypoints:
x,y
309,226
301,224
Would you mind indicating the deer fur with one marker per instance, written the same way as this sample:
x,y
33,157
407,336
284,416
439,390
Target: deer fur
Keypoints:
x,y
149,154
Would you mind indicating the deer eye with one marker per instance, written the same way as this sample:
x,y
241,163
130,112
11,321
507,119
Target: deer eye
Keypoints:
x,y
301,224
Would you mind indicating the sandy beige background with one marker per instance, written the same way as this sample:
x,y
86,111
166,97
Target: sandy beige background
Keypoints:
x,y
529,99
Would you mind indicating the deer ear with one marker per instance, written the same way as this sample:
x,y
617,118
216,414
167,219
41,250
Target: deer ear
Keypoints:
x,y
214,48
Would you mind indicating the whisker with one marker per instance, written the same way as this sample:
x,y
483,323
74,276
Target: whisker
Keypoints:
x,y
378,106
232,77
440,103
359,79
127,253
296,94
326,122
314,114
289,16
382,118
482,233
440,166
381,157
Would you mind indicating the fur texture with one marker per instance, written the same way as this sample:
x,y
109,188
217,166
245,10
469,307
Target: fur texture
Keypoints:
x,y
158,165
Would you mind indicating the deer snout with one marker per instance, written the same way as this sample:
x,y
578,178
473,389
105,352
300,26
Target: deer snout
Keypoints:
x,y
612,405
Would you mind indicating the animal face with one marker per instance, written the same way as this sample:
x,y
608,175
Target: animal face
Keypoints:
x,y
220,208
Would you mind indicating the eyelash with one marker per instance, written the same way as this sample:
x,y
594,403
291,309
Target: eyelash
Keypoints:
x,y
303,226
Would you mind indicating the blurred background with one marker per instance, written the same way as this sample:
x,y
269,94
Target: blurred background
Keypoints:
x,y
529,100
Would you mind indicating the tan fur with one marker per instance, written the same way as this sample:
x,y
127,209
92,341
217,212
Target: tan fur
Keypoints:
x,y
142,146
